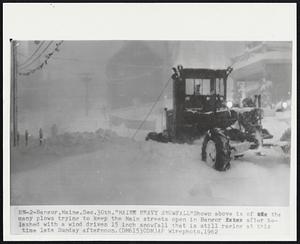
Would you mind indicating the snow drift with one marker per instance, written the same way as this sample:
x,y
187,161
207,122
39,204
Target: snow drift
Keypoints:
x,y
103,168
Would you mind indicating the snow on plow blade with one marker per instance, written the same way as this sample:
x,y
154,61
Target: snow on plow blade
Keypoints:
x,y
239,148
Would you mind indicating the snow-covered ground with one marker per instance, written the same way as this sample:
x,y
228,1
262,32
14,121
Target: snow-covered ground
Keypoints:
x,y
109,169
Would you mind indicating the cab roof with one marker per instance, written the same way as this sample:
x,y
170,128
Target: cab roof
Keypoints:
x,y
189,73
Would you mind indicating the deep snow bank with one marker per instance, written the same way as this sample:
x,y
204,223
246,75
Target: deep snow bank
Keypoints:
x,y
277,124
123,171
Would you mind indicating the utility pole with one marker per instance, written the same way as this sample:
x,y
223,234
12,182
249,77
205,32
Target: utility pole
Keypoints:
x,y
14,102
86,79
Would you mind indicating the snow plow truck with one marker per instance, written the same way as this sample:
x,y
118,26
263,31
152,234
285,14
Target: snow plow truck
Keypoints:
x,y
202,112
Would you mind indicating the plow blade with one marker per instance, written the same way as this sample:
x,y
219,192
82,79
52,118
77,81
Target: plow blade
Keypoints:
x,y
238,148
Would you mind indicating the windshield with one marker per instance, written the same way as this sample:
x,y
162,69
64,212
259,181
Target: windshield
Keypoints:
x,y
204,87
220,86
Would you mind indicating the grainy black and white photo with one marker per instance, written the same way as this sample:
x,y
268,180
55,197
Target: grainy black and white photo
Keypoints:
x,y
193,123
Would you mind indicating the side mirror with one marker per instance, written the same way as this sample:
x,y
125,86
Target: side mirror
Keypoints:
x,y
229,70
179,67
175,75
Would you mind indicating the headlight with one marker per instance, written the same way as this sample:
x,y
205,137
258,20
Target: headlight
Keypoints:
x,y
229,104
284,105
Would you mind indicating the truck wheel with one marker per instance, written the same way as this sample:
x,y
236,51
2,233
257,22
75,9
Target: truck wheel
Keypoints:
x,y
216,152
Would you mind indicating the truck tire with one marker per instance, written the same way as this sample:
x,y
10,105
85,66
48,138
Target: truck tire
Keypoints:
x,y
216,151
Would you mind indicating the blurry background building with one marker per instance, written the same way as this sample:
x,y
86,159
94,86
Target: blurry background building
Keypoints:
x,y
264,67
137,72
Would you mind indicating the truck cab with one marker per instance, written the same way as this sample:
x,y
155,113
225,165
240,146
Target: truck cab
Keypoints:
x,y
197,95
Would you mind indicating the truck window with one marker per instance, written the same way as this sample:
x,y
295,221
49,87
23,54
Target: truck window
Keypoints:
x,y
220,86
197,87
189,86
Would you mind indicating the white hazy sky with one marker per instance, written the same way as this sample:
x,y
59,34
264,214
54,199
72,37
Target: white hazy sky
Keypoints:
x,y
57,92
